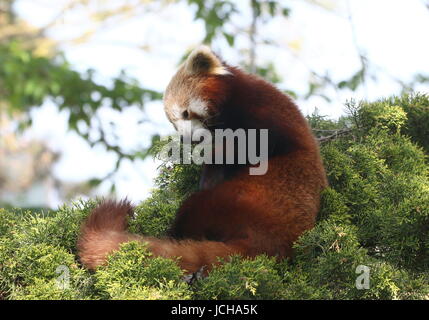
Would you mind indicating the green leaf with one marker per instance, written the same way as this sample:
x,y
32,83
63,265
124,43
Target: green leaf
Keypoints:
x,y
229,38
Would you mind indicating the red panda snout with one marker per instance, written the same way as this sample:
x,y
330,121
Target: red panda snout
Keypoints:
x,y
188,128
190,117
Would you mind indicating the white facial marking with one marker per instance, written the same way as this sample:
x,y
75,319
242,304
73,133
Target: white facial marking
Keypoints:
x,y
187,127
176,111
199,107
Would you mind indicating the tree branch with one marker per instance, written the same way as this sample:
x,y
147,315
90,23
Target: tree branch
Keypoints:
x,y
338,133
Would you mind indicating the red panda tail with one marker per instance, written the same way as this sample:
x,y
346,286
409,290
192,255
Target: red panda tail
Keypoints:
x,y
105,229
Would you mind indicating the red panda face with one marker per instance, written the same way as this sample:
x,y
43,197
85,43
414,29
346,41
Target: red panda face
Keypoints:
x,y
193,97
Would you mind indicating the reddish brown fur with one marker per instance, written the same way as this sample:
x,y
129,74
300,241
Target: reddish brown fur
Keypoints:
x,y
242,214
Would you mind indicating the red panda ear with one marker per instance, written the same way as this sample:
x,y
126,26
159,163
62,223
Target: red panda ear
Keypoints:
x,y
203,61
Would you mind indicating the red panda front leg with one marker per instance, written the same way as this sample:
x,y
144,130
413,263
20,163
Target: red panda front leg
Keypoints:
x,y
214,214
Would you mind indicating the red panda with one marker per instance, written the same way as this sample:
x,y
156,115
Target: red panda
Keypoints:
x,y
234,212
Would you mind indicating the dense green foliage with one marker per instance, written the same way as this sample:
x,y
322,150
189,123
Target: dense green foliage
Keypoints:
x,y
374,214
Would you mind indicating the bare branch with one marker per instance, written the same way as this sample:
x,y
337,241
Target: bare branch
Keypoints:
x,y
337,134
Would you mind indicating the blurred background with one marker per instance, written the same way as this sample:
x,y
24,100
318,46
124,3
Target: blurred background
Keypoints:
x,y
81,81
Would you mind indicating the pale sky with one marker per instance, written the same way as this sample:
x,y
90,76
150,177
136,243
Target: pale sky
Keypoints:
x,y
393,33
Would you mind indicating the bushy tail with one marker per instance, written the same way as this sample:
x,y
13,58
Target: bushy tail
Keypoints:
x,y
105,229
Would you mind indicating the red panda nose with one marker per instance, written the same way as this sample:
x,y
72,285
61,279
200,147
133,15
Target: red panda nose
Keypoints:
x,y
185,114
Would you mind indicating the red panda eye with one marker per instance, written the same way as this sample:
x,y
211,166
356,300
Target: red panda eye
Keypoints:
x,y
185,114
